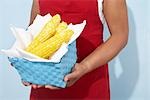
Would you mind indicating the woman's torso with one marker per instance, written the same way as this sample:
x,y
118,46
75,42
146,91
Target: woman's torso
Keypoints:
x,y
96,83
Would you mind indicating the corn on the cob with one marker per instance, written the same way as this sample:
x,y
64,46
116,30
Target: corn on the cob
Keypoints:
x,y
47,32
62,26
47,49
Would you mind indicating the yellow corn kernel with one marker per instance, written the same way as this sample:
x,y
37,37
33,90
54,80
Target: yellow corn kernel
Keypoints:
x,y
49,47
62,26
47,32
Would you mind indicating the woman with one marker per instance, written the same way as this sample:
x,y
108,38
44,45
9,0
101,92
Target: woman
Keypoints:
x,y
89,78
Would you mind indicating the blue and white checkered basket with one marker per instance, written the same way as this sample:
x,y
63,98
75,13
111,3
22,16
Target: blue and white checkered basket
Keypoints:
x,y
46,73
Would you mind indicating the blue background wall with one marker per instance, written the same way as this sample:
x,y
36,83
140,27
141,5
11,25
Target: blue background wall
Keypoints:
x,y
14,12
129,71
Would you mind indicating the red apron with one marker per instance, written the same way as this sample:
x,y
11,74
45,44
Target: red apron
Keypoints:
x,y
94,85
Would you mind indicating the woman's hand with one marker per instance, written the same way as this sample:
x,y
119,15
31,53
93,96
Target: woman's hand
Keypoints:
x,y
78,71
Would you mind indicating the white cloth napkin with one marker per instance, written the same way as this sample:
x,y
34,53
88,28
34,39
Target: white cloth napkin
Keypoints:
x,y
24,38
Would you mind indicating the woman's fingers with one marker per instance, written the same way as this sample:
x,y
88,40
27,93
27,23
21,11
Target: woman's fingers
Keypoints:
x,y
71,76
34,86
75,75
46,86
70,83
26,83
39,86
51,87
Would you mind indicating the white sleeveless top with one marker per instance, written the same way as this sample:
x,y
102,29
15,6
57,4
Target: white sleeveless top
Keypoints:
x,y
100,10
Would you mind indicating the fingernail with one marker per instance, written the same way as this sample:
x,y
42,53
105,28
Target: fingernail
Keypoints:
x,y
66,79
46,87
39,86
33,87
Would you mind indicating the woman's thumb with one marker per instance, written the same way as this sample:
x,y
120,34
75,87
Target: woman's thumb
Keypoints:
x,y
69,76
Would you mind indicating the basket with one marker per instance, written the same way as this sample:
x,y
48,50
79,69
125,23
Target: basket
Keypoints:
x,y
46,73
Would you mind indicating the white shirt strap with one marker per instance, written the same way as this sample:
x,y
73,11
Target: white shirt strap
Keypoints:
x,y
100,10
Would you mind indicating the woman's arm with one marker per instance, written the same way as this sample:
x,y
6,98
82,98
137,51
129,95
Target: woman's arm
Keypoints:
x,y
34,11
115,12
